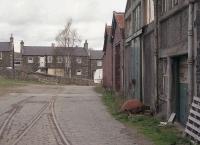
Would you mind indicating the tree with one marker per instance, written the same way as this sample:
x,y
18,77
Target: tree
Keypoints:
x,y
68,38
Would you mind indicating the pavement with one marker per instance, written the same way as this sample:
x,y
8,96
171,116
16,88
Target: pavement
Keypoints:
x,y
59,115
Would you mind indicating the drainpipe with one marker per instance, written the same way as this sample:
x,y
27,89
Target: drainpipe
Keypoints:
x,y
156,99
190,52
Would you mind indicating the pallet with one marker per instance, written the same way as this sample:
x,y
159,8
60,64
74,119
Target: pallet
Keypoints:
x,y
193,125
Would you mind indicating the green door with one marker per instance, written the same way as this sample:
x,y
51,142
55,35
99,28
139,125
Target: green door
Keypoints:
x,y
182,85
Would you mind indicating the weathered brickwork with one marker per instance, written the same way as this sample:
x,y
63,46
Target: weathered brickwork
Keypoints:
x,y
107,59
118,51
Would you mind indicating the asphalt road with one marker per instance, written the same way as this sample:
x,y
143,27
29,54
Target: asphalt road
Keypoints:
x,y
58,115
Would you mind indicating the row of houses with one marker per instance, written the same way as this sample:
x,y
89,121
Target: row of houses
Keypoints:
x,y
151,53
72,62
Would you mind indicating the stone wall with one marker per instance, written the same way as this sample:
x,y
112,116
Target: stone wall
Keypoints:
x,y
21,75
6,59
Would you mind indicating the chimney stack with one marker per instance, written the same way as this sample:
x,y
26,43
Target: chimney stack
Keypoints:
x,y
11,38
86,45
53,45
21,46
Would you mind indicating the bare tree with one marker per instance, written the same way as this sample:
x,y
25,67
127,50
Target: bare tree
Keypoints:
x,y
68,38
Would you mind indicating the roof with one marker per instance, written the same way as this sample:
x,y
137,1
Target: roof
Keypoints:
x,y
119,17
5,46
96,54
108,33
51,51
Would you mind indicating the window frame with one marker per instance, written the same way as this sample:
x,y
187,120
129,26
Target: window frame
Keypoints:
x,y
79,60
59,59
30,59
49,59
101,63
77,71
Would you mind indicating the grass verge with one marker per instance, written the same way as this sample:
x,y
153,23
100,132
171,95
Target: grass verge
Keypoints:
x,y
4,82
146,125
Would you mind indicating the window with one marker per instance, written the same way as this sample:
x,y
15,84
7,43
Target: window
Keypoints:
x,y
49,59
164,6
1,55
99,63
30,60
128,26
79,60
79,72
137,18
150,11
59,59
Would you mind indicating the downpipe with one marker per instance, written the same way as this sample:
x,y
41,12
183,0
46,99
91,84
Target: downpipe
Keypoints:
x,y
190,52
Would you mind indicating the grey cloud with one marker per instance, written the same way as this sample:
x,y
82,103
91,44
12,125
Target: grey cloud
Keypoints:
x,y
38,22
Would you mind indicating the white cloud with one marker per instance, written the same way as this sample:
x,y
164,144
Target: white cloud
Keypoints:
x,y
38,22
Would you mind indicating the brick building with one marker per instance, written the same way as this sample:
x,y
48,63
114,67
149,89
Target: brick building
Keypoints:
x,y
6,54
107,58
118,51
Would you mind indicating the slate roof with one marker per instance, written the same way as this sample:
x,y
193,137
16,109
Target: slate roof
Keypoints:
x,y
5,46
51,51
96,54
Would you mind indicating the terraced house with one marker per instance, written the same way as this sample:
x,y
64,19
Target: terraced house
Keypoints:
x,y
7,54
58,61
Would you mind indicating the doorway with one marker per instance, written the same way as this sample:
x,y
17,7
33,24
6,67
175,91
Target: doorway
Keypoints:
x,y
180,73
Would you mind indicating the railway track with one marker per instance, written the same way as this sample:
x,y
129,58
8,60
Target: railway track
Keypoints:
x,y
12,112
65,141
25,130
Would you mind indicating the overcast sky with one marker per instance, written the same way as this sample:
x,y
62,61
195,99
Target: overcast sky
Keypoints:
x,y
38,21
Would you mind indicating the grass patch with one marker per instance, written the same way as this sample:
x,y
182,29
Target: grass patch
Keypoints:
x,y
146,125
4,82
